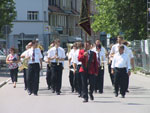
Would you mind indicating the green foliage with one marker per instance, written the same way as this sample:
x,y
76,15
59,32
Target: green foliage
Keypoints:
x,y
127,16
7,13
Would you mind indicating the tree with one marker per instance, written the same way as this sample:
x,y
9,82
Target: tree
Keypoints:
x,y
7,13
106,19
121,16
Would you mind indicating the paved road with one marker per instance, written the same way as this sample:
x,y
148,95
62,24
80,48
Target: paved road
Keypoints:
x,y
17,100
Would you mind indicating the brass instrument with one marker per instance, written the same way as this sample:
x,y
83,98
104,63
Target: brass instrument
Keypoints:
x,y
23,65
69,45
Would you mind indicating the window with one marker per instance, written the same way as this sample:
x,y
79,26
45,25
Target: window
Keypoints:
x,y
45,16
33,15
52,2
64,3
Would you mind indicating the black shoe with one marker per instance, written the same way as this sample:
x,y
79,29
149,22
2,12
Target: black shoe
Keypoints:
x,y
127,91
58,93
95,91
122,96
49,87
53,91
29,93
116,94
35,94
80,95
100,92
72,90
85,100
91,97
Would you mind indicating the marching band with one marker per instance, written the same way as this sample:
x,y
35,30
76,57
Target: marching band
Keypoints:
x,y
86,67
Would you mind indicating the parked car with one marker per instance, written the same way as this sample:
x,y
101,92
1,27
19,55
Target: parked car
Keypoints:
x,y
2,59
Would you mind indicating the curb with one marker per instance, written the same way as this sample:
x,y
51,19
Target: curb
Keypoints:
x,y
4,82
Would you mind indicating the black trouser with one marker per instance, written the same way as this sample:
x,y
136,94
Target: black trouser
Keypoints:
x,y
79,80
25,77
33,77
48,75
111,75
14,74
87,79
99,80
121,80
127,82
72,78
56,76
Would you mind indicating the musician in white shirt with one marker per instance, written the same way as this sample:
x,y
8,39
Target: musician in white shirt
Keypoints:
x,y
131,57
34,57
121,70
76,65
23,55
99,80
103,50
48,72
56,55
72,79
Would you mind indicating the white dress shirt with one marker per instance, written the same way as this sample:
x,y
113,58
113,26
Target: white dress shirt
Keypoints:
x,y
37,56
121,61
101,56
115,49
103,50
24,54
46,56
71,54
75,58
52,53
130,53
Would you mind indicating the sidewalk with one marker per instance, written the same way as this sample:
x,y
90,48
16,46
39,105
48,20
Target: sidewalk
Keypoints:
x,y
4,76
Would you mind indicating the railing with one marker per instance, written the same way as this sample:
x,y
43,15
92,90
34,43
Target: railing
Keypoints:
x,y
141,51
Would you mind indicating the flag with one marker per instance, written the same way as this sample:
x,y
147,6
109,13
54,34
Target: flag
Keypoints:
x,y
85,17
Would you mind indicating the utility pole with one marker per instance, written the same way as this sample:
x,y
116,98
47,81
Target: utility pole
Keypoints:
x,y
148,18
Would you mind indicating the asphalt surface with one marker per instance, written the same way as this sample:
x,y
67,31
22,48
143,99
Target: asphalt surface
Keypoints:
x,y
16,100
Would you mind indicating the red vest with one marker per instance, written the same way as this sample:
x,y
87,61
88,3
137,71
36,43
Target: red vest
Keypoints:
x,y
93,67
